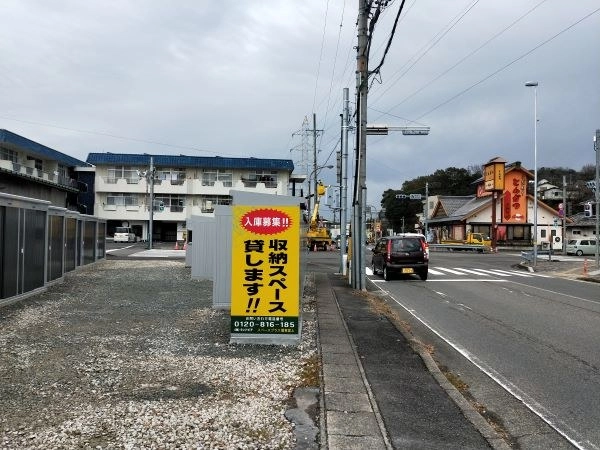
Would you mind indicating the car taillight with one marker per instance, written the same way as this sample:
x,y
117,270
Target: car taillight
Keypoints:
x,y
388,253
425,247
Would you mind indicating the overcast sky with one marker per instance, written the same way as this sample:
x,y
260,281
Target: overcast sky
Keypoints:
x,y
239,77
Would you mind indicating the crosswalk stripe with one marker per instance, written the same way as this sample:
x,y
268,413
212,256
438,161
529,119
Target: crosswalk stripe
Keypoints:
x,y
519,274
443,271
489,272
472,271
455,272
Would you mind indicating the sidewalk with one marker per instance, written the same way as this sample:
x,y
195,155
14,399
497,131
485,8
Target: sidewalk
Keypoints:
x,y
378,392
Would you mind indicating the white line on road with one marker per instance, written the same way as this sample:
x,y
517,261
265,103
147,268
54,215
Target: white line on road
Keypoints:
x,y
496,280
509,387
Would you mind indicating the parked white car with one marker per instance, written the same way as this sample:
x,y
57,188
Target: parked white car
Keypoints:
x,y
124,234
580,247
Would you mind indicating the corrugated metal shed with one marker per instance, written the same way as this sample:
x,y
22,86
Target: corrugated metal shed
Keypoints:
x,y
215,162
35,149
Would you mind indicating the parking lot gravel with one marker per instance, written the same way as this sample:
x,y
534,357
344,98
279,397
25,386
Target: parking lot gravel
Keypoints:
x,y
131,354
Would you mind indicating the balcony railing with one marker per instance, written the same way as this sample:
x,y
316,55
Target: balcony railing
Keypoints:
x,y
32,172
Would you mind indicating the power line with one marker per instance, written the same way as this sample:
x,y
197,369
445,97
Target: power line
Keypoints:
x,y
333,69
462,59
321,55
508,65
429,46
114,136
390,39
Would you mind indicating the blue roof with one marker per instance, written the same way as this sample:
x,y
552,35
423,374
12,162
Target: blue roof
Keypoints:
x,y
40,150
207,162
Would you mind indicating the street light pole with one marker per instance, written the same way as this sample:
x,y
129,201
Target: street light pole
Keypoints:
x,y
316,172
534,84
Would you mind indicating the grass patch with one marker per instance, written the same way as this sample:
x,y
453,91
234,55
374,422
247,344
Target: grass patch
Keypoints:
x,y
310,372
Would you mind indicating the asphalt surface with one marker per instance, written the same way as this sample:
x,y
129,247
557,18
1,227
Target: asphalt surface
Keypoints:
x,y
409,399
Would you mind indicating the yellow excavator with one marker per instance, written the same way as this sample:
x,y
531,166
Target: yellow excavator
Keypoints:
x,y
318,236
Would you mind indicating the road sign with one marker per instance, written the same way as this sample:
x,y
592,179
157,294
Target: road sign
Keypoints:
x,y
416,132
415,196
401,196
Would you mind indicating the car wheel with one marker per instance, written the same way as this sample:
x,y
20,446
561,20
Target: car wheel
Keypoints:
x,y
387,276
579,252
423,275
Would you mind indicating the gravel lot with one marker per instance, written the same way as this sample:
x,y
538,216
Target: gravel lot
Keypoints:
x,y
130,354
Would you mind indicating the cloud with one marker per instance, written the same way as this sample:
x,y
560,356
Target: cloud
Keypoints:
x,y
238,78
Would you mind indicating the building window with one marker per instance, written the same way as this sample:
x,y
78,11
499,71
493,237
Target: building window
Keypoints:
x,y
8,155
209,176
207,202
268,177
176,203
131,174
114,173
38,163
120,199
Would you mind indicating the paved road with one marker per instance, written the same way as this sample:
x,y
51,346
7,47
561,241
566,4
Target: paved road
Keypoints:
x,y
533,334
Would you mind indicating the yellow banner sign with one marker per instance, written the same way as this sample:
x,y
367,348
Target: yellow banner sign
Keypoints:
x,y
265,270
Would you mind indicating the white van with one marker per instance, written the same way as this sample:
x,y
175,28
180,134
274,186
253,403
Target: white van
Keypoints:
x,y
124,234
580,247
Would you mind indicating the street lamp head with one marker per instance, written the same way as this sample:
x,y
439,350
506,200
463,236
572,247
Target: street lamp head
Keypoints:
x,y
531,83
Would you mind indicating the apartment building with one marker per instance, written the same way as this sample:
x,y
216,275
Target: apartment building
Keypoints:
x,y
32,170
183,186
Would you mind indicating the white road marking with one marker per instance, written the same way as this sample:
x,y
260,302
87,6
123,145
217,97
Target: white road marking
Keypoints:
x,y
562,428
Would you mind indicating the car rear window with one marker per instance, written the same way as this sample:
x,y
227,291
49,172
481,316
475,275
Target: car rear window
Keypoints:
x,y
406,245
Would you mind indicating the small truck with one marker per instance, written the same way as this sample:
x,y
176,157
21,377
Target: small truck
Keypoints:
x,y
472,239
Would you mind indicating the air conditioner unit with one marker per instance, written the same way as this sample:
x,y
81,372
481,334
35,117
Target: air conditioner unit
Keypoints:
x,y
557,239
208,204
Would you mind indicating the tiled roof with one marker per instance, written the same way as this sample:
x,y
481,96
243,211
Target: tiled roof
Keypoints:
x,y
580,220
451,203
459,207
172,161
35,149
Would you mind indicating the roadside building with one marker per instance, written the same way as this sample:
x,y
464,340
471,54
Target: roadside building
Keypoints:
x,y
184,186
581,226
453,217
32,170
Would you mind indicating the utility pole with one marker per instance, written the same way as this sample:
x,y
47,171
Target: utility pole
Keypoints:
x,y
314,130
344,180
151,219
597,192
360,192
426,210
564,216
312,185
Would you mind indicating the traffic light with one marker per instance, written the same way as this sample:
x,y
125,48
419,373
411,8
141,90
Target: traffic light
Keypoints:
x,y
587,209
